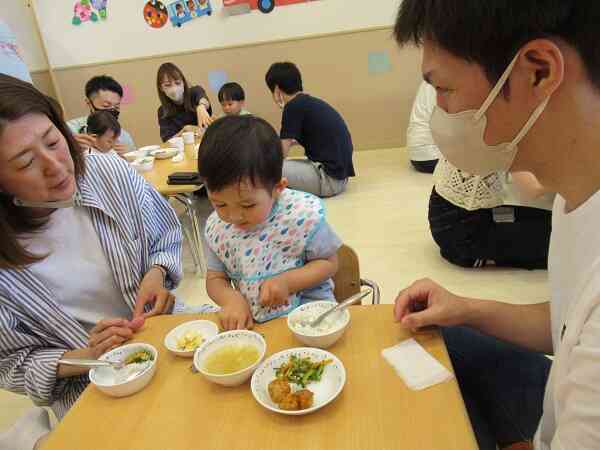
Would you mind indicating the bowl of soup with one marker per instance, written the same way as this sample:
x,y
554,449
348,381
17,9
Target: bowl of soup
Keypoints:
x,y
230,358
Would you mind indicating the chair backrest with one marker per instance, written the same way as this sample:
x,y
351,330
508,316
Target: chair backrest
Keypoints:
x,y
347,278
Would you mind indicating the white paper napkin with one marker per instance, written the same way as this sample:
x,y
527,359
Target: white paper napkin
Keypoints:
x,y
417,368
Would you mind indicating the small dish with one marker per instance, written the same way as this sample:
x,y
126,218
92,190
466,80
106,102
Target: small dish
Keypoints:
x,y
325,391
105,379
205,328
148,149
242,337
144,164
164,153
132,156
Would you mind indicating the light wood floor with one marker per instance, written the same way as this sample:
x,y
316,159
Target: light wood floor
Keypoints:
x,y
383,215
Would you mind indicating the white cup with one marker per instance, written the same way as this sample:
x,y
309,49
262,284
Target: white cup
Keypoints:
x,y
189,137
177,142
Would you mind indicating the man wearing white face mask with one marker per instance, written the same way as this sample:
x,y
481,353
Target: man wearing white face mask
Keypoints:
x,y
102,93
519,89
183,108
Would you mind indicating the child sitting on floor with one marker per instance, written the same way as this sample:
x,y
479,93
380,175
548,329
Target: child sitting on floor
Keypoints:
x,y
273,243
233,99
103,126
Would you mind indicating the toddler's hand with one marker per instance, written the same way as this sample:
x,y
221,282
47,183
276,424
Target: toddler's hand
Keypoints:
x,y
236,315
274,292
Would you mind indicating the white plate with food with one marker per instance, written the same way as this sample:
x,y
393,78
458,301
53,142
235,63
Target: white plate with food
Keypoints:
x,y
148,149
187,337
144,164
164,153
298,381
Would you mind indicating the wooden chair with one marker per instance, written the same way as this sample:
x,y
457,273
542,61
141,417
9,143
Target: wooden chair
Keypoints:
x,y
347,279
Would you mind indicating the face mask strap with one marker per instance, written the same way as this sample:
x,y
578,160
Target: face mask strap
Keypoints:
x,y
75,201
494,93
534,117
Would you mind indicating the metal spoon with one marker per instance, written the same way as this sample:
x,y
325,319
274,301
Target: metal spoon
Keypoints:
x,y
91,363
340,306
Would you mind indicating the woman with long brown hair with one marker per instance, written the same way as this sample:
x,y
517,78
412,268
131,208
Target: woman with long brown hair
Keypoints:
x,y
84,239
182,107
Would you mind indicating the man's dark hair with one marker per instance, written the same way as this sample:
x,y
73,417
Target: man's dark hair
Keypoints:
x,y
102,83
100,122
235,148
232,92
286,76
490,33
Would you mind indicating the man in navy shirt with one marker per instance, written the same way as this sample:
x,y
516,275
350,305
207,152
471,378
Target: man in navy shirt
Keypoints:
x,y
316,126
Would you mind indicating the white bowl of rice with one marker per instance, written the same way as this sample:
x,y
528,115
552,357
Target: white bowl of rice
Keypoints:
x,y
132,378
324,335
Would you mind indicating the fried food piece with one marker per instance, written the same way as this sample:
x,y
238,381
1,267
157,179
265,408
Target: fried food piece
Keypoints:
x,y
290,403
278,389
305,399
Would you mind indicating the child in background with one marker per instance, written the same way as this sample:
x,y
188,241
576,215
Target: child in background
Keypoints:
x,y
273,243
105,128
233,99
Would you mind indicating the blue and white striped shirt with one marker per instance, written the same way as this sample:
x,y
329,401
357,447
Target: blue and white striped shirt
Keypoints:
x,y
136,228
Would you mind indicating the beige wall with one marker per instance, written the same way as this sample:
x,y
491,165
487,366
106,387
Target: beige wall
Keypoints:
x,y
334,68
43,82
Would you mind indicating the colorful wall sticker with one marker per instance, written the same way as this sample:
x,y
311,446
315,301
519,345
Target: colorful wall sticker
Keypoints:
x,y
156,14
100,6
236,7
182,11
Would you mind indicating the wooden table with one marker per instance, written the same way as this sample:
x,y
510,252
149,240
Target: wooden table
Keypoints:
x,y
158,176
179,410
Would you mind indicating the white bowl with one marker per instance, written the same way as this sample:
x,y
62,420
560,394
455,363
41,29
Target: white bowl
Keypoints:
x,y
323,339
148,149
132,156
220,340
325,391
144,164
103,377
205,328
164,153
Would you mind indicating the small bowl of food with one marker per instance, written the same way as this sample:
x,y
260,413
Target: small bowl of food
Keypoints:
x,y
230,358
144,164
132,156
164,153
325,334
148,149
138,369
187,337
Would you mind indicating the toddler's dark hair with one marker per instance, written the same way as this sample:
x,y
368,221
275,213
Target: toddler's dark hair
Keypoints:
x,y
101,121
235,148
232,92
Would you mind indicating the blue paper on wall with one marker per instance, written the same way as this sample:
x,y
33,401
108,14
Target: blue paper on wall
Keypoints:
x,y
216,79
379,62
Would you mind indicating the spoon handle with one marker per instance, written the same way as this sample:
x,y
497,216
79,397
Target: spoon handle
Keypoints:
x,y
84,362
355,298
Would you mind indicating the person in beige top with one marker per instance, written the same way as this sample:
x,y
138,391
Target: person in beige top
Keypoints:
x,y
518,88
